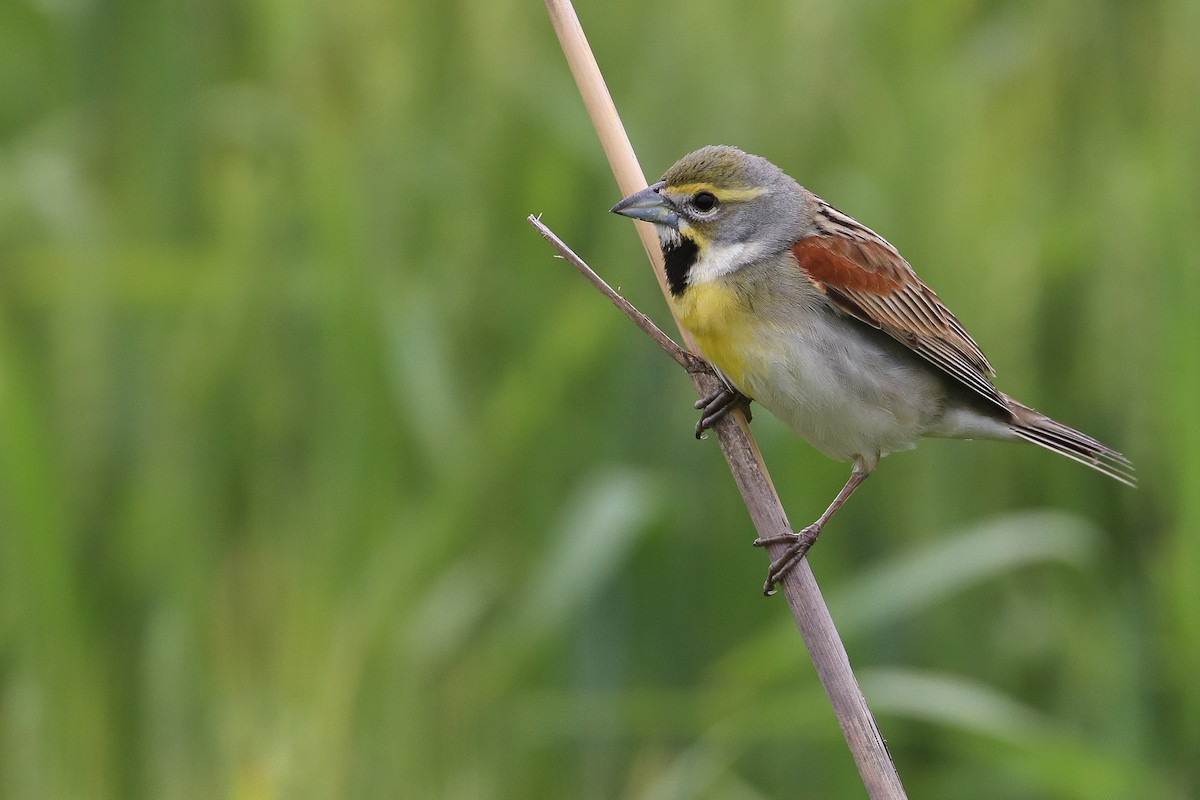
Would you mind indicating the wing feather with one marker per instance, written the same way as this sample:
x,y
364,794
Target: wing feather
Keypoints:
x,y
865,277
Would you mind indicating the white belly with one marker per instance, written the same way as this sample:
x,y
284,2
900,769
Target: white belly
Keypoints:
x,y
841,389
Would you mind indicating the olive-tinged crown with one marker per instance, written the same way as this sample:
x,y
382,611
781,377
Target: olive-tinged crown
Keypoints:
x,y
723,167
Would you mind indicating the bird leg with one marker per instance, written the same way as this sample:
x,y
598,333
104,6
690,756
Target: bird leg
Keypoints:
x,y
799,543
717,405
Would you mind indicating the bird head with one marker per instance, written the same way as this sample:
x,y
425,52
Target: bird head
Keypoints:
x,y
721,197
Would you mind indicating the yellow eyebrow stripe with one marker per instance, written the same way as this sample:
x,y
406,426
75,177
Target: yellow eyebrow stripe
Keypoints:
x,y
724,195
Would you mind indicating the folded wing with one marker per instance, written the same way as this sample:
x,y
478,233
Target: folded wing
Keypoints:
x,y
865,277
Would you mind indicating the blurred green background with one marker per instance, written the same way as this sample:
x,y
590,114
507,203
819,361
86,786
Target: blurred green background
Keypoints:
x,y
319,477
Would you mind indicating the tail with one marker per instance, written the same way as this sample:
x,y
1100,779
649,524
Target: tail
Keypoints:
x,y
1033,426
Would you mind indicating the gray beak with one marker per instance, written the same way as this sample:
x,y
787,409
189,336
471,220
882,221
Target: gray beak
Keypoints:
x,y
650,206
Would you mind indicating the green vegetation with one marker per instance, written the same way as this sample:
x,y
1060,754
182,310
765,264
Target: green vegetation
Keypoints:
x,y
320,478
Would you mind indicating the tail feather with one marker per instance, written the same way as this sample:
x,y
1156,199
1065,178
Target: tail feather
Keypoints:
x,y
1035,427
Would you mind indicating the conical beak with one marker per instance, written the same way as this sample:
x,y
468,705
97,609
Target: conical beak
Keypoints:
x,y
650,206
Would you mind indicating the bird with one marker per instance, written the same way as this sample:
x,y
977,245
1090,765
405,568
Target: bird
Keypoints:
x,y
818,319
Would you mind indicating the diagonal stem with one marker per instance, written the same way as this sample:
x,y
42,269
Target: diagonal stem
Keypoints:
x,y
800,588
682,357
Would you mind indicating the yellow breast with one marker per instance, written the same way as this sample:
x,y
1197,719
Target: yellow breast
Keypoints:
x,y
723,325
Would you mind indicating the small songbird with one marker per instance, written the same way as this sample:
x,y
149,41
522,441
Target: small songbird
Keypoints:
x,y
821,321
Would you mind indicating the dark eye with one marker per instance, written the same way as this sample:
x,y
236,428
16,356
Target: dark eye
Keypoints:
x,y
704,202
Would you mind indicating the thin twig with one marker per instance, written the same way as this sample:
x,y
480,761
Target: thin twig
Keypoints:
x,y
682,357
745,462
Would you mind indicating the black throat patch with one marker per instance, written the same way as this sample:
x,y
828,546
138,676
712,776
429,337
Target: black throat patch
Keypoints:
x,y
678,257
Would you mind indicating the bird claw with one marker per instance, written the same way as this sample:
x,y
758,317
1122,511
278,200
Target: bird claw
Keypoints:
x,y
715,406
798,545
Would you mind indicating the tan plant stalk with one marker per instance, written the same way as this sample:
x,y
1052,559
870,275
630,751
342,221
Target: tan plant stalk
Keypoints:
x,y
745,461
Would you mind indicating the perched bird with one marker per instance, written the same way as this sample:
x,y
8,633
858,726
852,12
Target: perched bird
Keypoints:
x,y
822,322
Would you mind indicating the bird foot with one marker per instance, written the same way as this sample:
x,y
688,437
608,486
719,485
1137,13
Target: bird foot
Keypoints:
x,y
717,405
798,546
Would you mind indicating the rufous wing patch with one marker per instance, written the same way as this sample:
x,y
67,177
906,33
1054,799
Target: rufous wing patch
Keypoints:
x,y
864,276
840,263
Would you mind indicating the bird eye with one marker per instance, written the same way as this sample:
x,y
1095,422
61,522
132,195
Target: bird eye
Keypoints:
x,y
705,202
